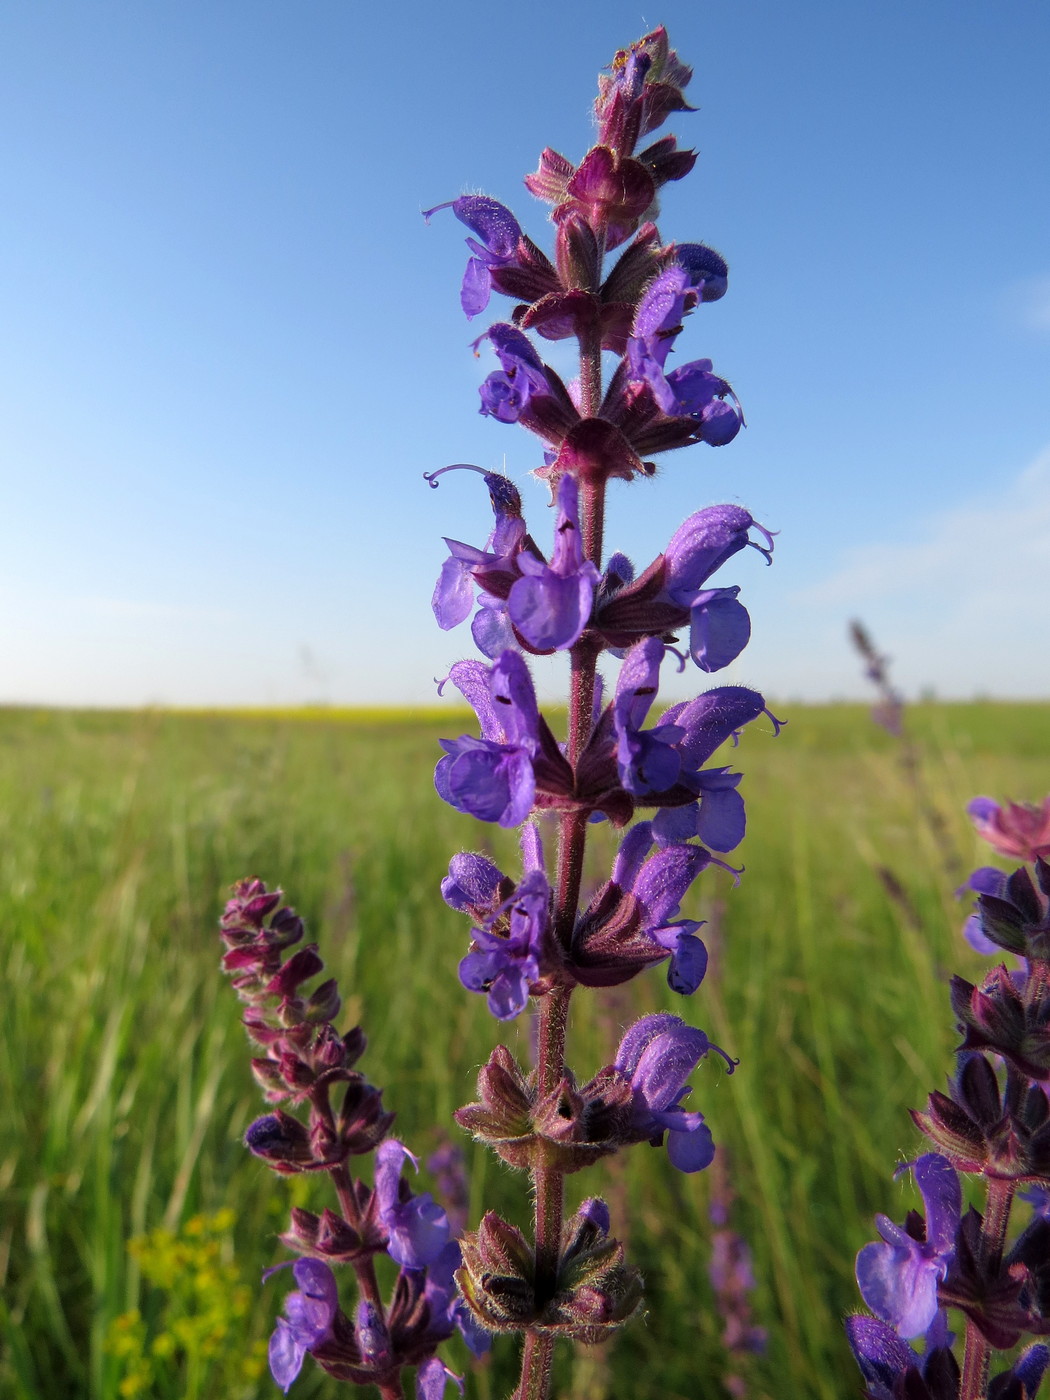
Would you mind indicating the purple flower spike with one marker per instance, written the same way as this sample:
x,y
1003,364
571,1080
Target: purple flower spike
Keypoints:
x,y
898,1279
499,234
656,1054
307,1321
551,605
418,1227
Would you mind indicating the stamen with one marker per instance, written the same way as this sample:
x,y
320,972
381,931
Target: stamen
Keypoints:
x,y
431,477
731,1064
778,724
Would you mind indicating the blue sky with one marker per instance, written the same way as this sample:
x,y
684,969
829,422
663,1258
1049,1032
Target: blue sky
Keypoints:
x,y
231,346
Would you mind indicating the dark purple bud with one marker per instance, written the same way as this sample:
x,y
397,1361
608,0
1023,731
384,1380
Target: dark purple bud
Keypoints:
x,y
282,1142
299,968
372,1335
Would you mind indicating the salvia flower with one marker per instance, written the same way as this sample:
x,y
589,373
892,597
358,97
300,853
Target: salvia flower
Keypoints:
x,y
550,605
898,1278
417,1226
498,235
659,884
307,1321
655,1055
509,946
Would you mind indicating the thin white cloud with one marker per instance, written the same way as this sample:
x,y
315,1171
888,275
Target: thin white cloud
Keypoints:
x,y
990,556
1028,302
148,610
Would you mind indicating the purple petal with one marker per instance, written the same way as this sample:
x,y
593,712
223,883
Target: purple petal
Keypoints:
x,y
471,679
432,1377
938,1182
493,222
688,957
973,932
640,1035
514,701
472,882
371,1333
475,289
509,994
286,1355
419,1231
390,1158
664,880
708,270
551,612
880,1353
720,423
596,1211
719,629
722,819
899,1285
634,848
701,545
454,593
491,628
693,1151
1030,1365
664,1064
676,824
712,718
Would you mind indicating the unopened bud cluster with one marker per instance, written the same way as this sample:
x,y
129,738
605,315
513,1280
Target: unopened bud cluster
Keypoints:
x,y
308,1064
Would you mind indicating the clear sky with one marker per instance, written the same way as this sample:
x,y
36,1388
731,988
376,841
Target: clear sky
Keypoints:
x,y
230,346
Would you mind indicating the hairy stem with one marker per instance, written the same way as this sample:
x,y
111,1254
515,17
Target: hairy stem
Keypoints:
x,y
363,1268
547,1180
993,1235
535,1368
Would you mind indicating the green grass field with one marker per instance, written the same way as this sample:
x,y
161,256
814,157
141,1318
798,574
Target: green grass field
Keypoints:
x,y
125,1072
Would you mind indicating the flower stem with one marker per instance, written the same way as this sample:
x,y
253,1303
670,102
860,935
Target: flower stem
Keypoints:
x,y
363,1268
547,1180
993,1235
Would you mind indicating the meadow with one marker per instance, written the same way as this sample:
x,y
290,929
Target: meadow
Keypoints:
x,y
126,1086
